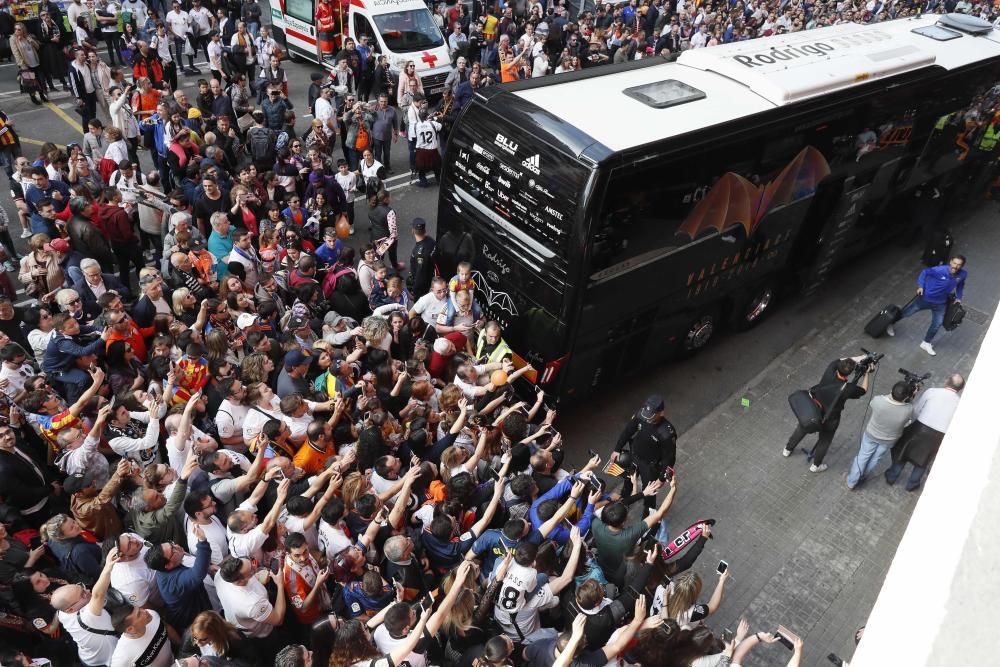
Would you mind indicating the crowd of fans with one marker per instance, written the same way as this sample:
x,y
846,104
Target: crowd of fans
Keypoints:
x,y
227,439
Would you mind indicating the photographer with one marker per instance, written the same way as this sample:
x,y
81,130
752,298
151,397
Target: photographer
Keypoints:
x,y
832,392
890,414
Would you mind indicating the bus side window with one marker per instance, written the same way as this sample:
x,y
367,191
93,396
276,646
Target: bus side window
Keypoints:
x,y
643,211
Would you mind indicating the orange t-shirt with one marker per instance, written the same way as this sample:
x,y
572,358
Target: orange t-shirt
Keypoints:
x,y
311,461
508,71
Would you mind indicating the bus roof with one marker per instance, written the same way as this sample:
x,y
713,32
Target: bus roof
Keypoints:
x,y
745,78
387,6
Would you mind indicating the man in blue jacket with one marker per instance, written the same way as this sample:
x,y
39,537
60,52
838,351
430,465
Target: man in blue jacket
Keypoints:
x,y
181,587
935,287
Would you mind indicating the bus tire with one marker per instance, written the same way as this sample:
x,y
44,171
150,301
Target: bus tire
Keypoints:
x,y
752,305
699,332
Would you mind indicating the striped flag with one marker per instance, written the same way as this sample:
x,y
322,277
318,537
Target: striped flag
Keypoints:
x,y
614,469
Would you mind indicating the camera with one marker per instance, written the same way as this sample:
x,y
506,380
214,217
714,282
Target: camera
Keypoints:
x,y
913,381
870,360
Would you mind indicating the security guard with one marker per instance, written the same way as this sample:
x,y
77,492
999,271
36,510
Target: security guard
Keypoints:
x,y
652,439
491,348
423,259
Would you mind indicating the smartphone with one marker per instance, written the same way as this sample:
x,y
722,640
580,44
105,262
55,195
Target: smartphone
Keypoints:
x,y
592,453
426,602
723,566
280,475
274,565
727,635
494,475
666,581
785,636
634,592
668,474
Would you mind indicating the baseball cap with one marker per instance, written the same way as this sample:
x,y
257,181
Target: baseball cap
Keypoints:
x,y
333,318
246,320
296,358
296,323
79,481
652,405
418,223
57,245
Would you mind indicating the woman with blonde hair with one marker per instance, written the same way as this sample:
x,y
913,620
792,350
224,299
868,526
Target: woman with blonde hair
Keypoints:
x,y
183,304
456,459
40,271
25,49
256,367
211,635
682,599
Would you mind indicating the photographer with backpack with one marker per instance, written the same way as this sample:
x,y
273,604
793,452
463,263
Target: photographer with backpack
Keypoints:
x,y
261,144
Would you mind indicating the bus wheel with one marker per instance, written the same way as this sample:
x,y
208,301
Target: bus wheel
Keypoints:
x,y
698,334
753,305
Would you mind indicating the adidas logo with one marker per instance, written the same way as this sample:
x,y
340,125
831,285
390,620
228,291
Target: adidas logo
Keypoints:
x,y
531,164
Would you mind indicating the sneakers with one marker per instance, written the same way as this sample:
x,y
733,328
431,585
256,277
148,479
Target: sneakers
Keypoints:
x,y
352,230
889,331
10,266
928,348
817,468
26,234
786,453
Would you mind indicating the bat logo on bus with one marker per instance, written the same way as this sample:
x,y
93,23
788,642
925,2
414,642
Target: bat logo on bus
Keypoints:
x,y
494,299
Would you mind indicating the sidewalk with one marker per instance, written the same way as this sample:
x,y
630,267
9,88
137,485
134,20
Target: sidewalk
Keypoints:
x,y
803,550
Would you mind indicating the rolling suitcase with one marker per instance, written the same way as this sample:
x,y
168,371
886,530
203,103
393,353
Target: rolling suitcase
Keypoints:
x,y
877,325
953,316
807,410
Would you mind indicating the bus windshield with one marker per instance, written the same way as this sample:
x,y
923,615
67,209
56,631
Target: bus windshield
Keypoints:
x,y
520,188
409,31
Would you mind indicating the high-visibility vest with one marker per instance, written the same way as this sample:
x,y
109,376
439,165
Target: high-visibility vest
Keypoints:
x,y
990,138
324,17
943,120
497,355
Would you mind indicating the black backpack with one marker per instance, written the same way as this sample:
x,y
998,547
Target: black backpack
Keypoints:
x,y
261,144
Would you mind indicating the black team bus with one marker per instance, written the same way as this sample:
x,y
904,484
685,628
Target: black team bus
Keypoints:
x,y
618,216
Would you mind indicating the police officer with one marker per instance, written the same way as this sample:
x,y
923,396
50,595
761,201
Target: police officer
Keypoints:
x,y
423,259
652,439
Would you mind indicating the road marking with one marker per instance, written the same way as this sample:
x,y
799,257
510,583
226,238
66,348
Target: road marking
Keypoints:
x,y
36,142
65,116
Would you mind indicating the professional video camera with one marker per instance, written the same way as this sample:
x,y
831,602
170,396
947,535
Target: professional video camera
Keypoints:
x,y
913,381
870,360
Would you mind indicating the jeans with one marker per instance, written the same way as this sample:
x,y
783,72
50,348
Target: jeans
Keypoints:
x,y
826,432
892,474
413,154
381,151
937,315
868,458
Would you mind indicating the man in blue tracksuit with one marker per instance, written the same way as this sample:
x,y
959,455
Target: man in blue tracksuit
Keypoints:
x,y
935,286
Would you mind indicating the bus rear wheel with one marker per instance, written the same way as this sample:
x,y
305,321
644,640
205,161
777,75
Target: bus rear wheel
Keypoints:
x,y
699,333
753,305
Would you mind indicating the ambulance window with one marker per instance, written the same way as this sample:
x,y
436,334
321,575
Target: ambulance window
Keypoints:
x,y
363,27
301,9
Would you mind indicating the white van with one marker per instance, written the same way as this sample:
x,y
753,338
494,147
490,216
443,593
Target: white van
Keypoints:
x,y
403,30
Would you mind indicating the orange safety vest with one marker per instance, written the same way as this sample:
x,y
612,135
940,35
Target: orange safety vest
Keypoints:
x,y
324,17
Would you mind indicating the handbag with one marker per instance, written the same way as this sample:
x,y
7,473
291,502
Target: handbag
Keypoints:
x,y
244,122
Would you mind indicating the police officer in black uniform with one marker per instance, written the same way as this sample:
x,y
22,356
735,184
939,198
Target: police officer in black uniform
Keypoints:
x,y
423,259
652,440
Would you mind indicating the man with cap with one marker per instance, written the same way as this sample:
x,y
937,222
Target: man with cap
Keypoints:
x,y
292,379
338,329
92,507
651,438
300,332
423,258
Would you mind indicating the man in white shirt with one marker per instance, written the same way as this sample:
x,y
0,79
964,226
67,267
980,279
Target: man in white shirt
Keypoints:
x,y
325,112
246,536
14,371
179,22
130,576
135,435
143,640
200,507
231,414
920,441
433,304
244,598
201,24
81,613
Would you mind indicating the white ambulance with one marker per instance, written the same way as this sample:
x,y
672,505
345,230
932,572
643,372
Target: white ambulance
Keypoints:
x,y
403,30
